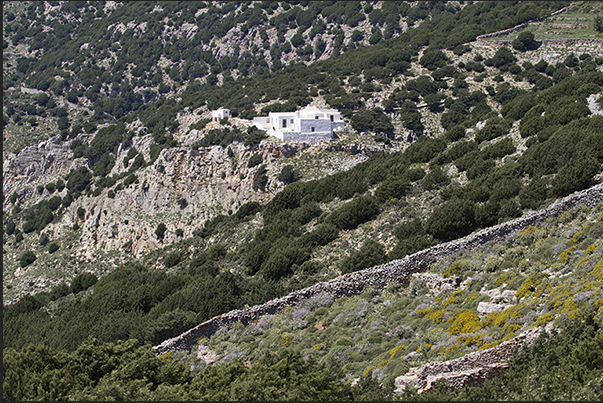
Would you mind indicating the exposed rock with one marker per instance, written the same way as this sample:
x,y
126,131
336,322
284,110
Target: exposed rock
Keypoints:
x,y
485,308
509,297
206,355
36,165
437,283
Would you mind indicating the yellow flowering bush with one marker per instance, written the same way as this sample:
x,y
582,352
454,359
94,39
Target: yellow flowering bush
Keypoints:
x,y
544,319
529,285
476,339
455,268
465,322
597,272
393,351
286,340
436,316
565,255
590,249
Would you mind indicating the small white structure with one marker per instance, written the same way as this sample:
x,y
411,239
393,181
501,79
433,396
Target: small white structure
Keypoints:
x,y
309,124
220,114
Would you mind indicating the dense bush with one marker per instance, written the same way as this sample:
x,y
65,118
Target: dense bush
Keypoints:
x,y
53,247
353,213
575,175
373,120
370,254
288,175
260,178
82,282
27,258
160,231
453,219
255,159
525,41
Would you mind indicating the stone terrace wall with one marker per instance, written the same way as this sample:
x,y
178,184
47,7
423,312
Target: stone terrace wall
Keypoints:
x,y
469,370
380,276
520,26
566,41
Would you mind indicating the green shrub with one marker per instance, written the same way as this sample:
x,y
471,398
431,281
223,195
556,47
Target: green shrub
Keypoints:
x,y
172,259
281,260
9,228
353,213
27,258
321,235
82,282
130,179
288,175
254,160
392,188
260,178
525,41
371,253
410,245
436,178
78,179
454,219
248,209
160,231
576,175
53,247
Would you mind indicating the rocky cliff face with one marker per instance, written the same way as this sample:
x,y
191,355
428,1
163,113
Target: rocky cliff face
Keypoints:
x,y
36,165
209,180
183,188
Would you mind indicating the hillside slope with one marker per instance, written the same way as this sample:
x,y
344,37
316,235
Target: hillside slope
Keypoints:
x,y
129,214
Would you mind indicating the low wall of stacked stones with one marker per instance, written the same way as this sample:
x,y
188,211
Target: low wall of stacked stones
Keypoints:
x,y
380,276
307,138
566,41
520,26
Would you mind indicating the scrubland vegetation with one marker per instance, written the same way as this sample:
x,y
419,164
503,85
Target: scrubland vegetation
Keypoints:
x,y
502,153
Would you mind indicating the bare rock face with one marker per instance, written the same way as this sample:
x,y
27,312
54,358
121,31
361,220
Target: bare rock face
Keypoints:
x,y
207,355
36,165
182,189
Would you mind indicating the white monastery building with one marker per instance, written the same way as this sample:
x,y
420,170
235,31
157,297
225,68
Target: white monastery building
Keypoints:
x,y
220,114
309,124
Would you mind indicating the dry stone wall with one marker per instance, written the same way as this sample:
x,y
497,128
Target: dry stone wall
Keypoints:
x,y
380,276
520,26
469,370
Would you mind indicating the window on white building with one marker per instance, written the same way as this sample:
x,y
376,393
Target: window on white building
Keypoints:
x,y
312,128
284,122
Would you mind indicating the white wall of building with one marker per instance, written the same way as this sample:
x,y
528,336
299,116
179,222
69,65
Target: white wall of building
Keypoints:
x,y
220,114
309,124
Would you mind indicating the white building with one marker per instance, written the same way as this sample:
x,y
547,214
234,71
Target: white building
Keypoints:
x,y
309,124
220,114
